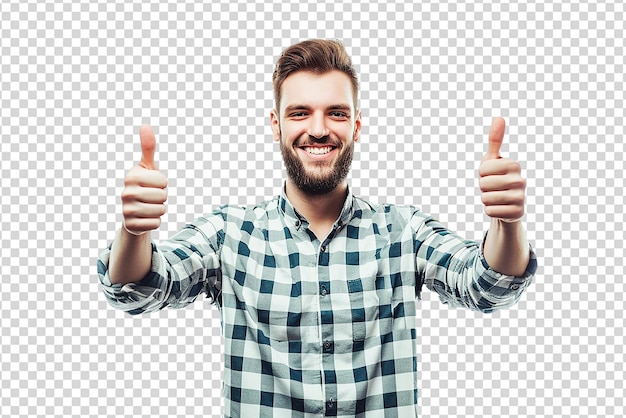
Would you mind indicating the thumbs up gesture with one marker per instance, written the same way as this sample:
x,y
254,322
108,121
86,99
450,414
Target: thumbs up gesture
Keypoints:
x,y
144,195
501,183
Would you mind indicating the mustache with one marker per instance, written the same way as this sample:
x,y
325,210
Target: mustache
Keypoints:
x,y
312,140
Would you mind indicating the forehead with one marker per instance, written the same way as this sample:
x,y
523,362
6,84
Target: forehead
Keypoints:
x,y
317,90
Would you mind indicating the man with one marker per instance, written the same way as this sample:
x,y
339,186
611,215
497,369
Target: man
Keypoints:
x,y
317,288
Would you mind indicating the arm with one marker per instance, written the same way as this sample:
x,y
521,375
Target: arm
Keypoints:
x,y
131,257
506,248
503,194
136,275
181,268
458,271
143,201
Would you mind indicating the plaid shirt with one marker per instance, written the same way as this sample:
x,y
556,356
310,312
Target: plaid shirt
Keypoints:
x,y
317,327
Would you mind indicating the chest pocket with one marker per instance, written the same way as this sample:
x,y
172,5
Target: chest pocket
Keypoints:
x,y
366,305
379,295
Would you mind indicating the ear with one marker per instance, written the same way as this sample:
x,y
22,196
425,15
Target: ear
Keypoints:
x,y
275,125
357,126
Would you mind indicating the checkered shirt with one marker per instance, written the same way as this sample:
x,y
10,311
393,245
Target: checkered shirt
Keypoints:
x,y
314,328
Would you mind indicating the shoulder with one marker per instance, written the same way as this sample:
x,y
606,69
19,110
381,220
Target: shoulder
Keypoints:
x,y
389,212
240,214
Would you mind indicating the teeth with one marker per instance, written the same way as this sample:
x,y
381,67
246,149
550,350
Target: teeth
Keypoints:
x,y
318,150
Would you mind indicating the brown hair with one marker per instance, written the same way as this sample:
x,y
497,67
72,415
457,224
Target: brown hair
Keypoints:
x,y
318,56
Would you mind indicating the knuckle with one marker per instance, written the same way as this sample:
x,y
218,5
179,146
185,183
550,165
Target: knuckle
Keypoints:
x,y
131,226
158,179
515,214
128,194
132,176
129,212
514,166
519,183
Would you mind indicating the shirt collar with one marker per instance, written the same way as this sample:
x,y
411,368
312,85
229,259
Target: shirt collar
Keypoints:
x,y
294,218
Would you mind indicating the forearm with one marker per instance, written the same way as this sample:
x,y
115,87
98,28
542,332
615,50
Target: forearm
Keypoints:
x,y
131,257
506,248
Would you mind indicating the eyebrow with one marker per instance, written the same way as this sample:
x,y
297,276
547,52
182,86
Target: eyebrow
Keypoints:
x,y
294,107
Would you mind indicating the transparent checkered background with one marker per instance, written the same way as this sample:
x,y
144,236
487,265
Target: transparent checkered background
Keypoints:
x,y
78,78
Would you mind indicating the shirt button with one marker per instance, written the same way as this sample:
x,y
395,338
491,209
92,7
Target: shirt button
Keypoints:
x,y
515,287
327,345
323,249
323,290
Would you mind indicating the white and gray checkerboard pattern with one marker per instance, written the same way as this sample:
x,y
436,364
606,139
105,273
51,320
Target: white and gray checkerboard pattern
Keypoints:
x,y
78,78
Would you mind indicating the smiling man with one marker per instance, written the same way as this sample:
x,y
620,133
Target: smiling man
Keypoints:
x,y
317,125
317,288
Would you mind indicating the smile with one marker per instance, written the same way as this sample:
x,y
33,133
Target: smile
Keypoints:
x,y
318,150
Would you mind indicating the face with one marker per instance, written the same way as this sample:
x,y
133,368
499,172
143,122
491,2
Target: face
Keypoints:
x,y
317,126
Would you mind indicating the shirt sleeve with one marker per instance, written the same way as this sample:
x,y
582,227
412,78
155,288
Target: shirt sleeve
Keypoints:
x,y
457,271
183,267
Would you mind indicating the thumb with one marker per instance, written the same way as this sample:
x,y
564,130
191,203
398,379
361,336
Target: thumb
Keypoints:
x,y
496,136
148,146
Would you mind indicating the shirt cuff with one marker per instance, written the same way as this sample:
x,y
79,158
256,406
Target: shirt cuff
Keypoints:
x,y
508,282
143,296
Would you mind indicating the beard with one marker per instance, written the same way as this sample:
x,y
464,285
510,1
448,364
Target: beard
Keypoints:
x,y
318,180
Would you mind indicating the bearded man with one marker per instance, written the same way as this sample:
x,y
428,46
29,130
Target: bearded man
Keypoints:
x,y
318,289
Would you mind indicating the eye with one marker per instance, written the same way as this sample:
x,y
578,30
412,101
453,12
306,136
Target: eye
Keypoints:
x,y
297,115
339,114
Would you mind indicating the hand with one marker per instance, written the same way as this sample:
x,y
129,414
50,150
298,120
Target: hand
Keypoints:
x,y
501,181
144,192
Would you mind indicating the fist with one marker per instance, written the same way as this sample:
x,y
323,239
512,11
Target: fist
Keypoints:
x,y
144,195
503,189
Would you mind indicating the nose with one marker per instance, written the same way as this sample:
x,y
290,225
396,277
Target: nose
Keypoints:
x,y
318,128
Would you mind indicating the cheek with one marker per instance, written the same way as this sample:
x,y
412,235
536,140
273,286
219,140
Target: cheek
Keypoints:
x,y
290,132
344,130
347,133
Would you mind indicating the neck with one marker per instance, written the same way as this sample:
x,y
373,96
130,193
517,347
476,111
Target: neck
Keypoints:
x,y
319,210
